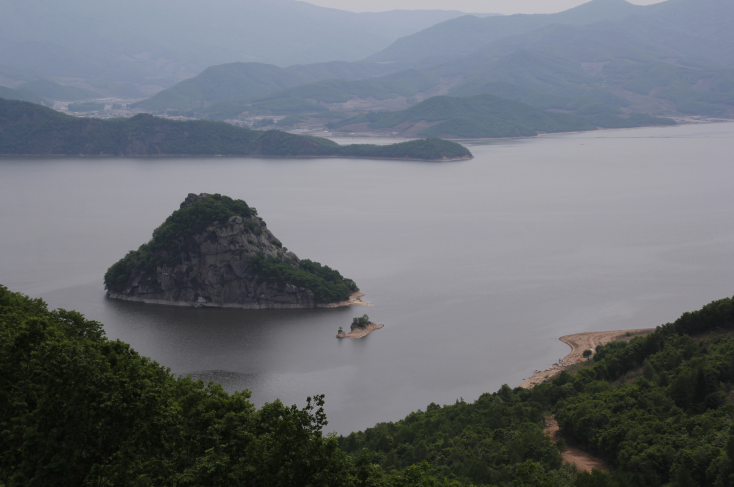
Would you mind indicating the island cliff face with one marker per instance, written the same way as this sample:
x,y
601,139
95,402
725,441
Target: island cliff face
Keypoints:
x,y
229,262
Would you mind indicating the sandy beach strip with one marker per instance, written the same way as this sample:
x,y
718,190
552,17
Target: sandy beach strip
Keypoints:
x,y
360,332
354,300
578,343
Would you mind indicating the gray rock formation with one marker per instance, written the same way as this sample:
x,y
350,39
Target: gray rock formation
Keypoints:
x,y
217,270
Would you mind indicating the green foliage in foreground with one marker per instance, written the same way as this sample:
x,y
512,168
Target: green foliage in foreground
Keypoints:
x,y
659,410
26,128
487,442
327,284
79,409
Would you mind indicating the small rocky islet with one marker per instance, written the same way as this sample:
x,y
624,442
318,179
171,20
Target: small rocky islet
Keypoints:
x,y
360,328
215,251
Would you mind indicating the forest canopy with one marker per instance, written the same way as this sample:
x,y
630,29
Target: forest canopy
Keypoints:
x,y
77,408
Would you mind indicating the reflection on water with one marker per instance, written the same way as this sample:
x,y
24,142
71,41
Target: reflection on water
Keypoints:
x,y
475,267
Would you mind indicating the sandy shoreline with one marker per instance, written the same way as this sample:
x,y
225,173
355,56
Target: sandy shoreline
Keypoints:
x,y
578,343
360,332
354,300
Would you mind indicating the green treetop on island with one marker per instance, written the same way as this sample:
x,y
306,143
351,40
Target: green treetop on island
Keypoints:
x,y
361,322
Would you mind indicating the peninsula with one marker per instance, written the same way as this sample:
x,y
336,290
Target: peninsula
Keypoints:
x,y
361,327
579,343
215,251
30,129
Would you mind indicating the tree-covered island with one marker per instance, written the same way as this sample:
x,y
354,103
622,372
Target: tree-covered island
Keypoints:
x,y
360,328
215,251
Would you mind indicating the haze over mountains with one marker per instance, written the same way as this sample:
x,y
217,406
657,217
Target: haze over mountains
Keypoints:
x,y
157,43
601,62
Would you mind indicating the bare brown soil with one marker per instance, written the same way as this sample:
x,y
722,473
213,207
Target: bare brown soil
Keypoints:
x,y
573,455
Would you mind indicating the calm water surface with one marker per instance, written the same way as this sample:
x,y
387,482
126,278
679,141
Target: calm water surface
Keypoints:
x,y
475,267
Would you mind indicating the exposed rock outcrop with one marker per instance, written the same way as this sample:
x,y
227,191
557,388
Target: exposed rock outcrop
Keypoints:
x,y
215,268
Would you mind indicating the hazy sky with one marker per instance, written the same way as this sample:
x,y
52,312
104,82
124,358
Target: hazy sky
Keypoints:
x,y
493,6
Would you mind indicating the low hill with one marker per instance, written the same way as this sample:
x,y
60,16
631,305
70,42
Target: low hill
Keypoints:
x,y
52,90
245,81
484,116
11,94
26,128
405,83
327,94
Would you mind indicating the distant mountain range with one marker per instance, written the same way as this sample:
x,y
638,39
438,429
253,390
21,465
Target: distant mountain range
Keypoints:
x,y
601,61
106,44
686,27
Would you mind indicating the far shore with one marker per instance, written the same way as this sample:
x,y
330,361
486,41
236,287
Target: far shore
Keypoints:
x,y
373,135
578,343
360,332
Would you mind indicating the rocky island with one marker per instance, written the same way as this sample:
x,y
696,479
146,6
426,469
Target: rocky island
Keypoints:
x,y
361,327
215,251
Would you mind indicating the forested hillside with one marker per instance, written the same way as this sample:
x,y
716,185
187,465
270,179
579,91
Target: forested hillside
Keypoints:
x,y
77,408
659,410
26,128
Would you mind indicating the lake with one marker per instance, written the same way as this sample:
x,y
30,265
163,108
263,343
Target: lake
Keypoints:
x,y
475,267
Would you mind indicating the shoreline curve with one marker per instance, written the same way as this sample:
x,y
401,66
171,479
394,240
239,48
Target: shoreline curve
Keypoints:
x,y
578,342
354,300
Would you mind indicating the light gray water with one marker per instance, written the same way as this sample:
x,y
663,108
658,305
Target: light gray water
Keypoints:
x,y
475,267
